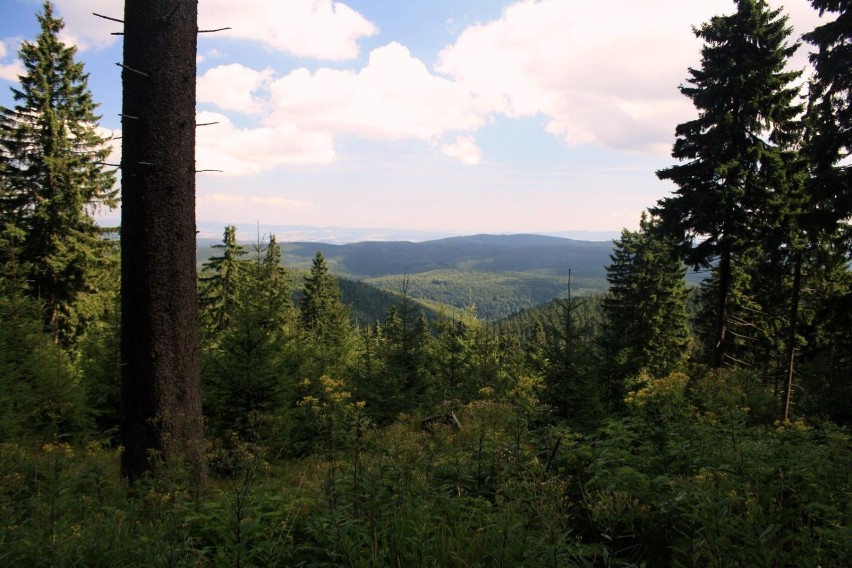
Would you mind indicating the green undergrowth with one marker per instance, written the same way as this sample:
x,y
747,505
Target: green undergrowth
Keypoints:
x,y
688,477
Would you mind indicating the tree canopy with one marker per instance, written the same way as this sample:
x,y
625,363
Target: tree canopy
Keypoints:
x,y
52,158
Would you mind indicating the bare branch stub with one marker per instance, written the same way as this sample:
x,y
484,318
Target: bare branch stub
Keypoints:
x,y
206,123
213,31
205,171
108,18
132,70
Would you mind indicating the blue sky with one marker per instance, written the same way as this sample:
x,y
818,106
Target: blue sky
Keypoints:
x,y
453,116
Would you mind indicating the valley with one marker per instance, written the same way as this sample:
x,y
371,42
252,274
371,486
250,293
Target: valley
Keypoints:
x,y
497,275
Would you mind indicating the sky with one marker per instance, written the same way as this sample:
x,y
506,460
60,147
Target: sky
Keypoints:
x,y
446,116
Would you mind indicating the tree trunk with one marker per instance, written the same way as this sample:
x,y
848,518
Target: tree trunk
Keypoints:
x,y
161,394
722,306
792,332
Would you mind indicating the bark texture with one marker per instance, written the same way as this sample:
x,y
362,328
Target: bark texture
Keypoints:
x,y
161,394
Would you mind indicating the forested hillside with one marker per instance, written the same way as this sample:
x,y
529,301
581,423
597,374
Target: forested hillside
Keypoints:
x,y
484,253
650,423
498,274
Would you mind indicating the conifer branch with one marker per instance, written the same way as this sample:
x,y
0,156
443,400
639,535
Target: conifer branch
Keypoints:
x,y
741,336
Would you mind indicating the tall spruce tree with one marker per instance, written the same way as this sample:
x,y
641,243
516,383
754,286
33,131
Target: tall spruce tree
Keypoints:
x,y
324,319
406,333
829,189
730,153
451,358
645,309
51,159
40,395
245,368
564,362
219,284
273,286
369,375
831,112
322,296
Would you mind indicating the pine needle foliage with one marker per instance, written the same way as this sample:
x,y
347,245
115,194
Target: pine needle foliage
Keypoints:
x,y
51,158
730,155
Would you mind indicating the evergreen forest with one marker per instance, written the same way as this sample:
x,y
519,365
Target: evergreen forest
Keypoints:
x,y
659,419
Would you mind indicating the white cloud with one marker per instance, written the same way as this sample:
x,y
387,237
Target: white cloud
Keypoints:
x,y
393,97
86,30
603,72
233,87
114,138
464,149
319,29
246,151
211,54
12,70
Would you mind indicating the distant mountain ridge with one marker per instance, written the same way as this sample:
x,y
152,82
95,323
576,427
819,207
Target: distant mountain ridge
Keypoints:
x,y
498,274
479,253
348,235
